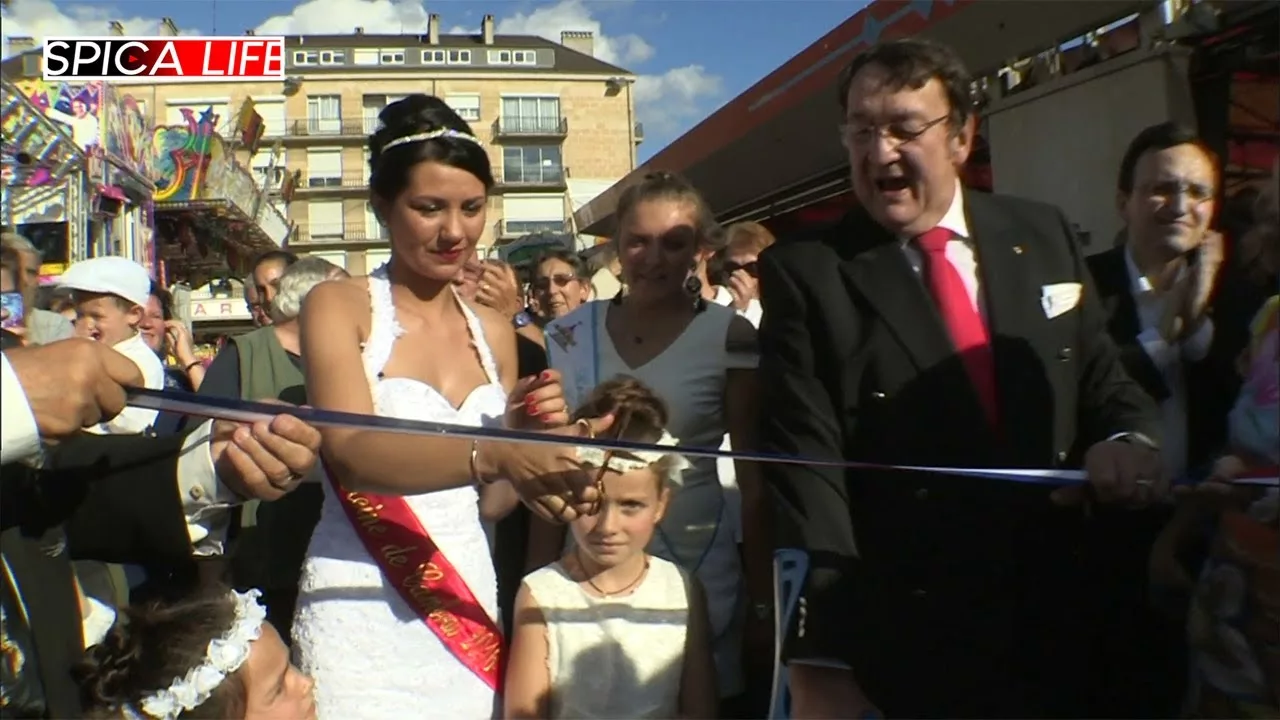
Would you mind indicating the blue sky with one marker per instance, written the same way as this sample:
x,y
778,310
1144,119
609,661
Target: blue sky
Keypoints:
x,y
692,55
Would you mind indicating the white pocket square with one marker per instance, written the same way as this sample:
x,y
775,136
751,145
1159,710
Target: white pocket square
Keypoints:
x,y
1059,298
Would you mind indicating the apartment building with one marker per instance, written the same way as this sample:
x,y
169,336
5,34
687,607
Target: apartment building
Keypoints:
x,y
559,126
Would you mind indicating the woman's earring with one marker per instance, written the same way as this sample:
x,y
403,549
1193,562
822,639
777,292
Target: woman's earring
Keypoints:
x,y
693,286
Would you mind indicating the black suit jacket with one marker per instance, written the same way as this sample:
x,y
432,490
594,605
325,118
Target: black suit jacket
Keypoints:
x,y
1212,384
108,498
931,576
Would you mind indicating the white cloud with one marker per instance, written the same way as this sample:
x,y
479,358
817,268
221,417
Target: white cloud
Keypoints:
x,y
549,21
42,18
665,102
320,17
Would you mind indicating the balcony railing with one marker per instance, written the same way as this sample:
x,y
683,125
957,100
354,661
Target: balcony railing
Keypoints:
x,y
324,233
516,126
332,127
333,183
519,228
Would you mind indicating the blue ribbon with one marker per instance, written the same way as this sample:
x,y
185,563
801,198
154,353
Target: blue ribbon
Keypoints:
x,y
250,411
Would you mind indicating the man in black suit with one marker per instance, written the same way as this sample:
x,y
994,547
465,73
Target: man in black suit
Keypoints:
x,y
935,326
1156,286
108,498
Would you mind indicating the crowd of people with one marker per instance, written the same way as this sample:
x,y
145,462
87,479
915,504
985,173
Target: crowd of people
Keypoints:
x,y
279,570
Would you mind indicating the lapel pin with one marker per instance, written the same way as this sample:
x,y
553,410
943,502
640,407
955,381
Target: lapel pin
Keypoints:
x,y
1017,249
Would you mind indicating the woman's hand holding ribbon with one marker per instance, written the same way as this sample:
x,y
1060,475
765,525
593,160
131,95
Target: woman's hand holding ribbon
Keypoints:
x,y
548,478
537,402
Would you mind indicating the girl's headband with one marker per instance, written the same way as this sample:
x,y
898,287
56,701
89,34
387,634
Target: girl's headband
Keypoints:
x,y
638,460
423,137
224,656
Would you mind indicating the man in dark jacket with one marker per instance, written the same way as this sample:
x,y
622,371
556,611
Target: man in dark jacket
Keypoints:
x,y
131,499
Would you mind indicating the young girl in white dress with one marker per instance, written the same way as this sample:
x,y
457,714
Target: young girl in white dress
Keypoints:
x,y
610,631
397,605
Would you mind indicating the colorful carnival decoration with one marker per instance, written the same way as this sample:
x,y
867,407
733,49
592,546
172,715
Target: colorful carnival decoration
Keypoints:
x,y
182,154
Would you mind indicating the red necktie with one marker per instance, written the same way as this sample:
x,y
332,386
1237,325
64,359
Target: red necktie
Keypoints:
x,y
964,324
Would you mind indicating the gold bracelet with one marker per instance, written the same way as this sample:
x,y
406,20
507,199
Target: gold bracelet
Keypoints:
x,y
475,470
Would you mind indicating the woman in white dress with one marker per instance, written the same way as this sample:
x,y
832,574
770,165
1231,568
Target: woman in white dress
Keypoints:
x,y
397,605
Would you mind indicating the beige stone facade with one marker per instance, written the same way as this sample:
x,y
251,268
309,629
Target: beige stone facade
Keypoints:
x,y
568,119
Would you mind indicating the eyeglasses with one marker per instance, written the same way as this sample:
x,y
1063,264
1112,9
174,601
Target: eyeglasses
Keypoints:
x,y
861,134
560,279
751,268
1170,190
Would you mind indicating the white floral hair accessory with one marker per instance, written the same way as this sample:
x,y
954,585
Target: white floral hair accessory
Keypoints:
x,y
423,137
224,656
638,460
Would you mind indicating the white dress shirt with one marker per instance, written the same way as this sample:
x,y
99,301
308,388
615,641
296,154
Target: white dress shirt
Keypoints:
x,y
1168,358
205,500
752,312
132,421
959,251
724,467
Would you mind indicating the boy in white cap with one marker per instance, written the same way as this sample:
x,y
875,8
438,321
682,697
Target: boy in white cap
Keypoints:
x,y
110,295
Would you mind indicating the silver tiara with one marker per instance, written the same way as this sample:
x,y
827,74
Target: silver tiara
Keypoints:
x,y
423,137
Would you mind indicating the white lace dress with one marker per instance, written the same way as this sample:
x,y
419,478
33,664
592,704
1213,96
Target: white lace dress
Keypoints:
x,y
372,657
619,657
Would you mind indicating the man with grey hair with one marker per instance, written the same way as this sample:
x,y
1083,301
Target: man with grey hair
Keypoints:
x,y
269,544
296,282
42,326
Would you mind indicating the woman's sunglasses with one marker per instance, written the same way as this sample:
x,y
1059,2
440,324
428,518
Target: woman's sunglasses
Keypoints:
x,y
560,279
751,268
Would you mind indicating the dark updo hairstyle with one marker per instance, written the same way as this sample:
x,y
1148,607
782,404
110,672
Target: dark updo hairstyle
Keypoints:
x,y
151,645
663,185
414,115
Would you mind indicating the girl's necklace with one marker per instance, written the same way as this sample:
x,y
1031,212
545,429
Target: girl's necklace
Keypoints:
x,y
607,595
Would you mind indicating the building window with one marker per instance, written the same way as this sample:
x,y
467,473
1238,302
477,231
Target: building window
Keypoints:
x,y
306,57
364,57
324,167
271,110
333,57
532,165
371,106
529,227
373,229
324,220
467,106
374,259
337,257
513,57
392,57
217,108
446,57
324,114
268,174
530,114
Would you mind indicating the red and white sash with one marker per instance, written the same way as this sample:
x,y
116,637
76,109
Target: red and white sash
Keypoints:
x,y
414,565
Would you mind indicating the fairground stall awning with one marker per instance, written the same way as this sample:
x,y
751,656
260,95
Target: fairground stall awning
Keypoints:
x,y
775,146
43,177
211,215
